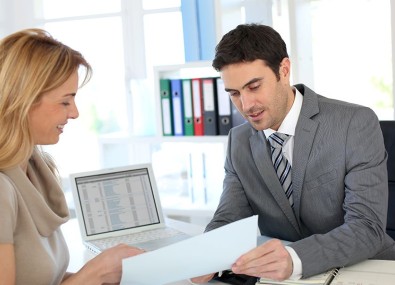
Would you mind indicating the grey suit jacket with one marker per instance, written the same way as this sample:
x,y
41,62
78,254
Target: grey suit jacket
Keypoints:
x,y
339,180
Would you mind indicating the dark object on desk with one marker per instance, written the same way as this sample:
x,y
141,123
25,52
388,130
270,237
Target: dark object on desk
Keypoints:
x,y
388,129
229,277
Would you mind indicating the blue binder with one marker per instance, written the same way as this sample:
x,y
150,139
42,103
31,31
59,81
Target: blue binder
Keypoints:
x,y
177,104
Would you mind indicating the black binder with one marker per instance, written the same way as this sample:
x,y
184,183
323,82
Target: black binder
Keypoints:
x,y
224,114
209,106
237,118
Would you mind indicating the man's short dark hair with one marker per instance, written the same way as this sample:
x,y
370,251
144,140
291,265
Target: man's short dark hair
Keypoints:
x,y
249,42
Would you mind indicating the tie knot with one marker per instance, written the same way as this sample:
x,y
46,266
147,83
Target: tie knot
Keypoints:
x,y
277,140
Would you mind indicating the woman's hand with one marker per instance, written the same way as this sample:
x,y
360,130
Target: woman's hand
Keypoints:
x,y
105,267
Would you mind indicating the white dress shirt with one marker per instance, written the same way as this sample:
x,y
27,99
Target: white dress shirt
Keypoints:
x,y
288,127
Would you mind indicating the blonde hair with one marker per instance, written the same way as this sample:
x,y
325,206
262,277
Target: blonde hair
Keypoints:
x,y
32,62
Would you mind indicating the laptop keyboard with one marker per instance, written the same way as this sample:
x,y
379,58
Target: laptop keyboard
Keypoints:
x,y
139,238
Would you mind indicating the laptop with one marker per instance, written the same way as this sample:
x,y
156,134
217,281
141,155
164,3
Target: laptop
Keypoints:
x,y
121,205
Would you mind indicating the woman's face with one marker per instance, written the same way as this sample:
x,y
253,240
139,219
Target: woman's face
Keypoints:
x,y
48,117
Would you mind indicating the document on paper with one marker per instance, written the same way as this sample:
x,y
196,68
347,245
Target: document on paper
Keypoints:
x,y
203,254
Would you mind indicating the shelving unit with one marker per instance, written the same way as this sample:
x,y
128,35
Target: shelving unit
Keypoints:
x,y
189,70
194,153
188,169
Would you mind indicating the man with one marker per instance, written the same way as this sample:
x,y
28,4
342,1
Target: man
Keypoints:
x,y
331,200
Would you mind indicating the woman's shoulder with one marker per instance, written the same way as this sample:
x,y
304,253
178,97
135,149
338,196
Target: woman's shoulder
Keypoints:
x,y
8,190
6,182
8,194
7,187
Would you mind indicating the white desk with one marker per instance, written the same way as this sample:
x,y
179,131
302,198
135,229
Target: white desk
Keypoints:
x,y
79,255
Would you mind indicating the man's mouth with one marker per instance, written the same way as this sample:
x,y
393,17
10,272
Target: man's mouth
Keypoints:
x,y
256,115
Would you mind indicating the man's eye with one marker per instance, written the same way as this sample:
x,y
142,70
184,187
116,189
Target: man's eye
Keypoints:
x,y
254,87
233,93
65,103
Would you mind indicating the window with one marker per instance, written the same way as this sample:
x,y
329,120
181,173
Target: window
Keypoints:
x,y
164,45
160,4
102,102
2,18
118,102
341,49
57,9
352,52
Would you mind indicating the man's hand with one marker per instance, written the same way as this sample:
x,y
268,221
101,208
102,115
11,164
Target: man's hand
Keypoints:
x,y
202,279
269,260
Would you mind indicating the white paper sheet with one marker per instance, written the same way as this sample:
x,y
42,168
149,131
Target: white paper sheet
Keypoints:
x,y
203,254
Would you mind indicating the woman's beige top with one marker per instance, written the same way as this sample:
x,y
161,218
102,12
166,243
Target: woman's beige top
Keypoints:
x,y
32,208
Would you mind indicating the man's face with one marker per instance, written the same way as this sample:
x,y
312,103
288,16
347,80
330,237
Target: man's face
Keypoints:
x,y
262,98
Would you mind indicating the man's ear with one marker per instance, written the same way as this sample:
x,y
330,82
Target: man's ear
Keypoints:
x,y
285,67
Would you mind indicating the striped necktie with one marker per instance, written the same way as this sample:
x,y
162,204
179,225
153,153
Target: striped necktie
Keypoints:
x,y
281,164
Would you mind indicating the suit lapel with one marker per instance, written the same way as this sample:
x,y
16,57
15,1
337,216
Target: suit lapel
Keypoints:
x,y
262,158
304,136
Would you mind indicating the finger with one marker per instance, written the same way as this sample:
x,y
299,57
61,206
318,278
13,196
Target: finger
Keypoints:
x,y
262,250
128,251
135,251
202,279
258,256
277,270
257,270
266,258
253,267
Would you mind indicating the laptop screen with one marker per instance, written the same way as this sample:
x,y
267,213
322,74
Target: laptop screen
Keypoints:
x,y
116,201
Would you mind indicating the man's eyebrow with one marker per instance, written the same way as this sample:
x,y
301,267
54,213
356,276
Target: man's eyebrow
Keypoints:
x,y
245,85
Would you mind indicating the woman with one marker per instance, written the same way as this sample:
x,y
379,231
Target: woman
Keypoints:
x,y
38,84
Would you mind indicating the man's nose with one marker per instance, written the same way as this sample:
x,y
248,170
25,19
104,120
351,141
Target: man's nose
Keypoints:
x,y
247,101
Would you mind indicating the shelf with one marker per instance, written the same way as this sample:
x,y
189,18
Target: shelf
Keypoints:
x,y
187,70
194,139
122,138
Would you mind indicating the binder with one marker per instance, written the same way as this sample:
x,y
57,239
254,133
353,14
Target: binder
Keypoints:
x,y
165,98
224,114
177,105
209,107
197,97
188,107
